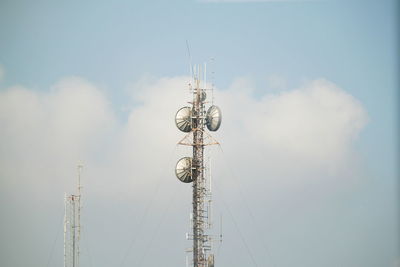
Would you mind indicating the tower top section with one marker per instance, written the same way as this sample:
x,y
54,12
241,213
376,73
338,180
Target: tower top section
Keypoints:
x,y
196,120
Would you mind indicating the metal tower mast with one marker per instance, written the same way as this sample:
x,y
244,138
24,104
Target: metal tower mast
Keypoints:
x,y
199,239
72,225
194,120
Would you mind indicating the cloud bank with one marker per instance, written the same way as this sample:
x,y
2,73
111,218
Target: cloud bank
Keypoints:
x,y
314,125
295,137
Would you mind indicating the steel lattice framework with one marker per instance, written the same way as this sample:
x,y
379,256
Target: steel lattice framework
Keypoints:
x,y
194,120
199,188
72,226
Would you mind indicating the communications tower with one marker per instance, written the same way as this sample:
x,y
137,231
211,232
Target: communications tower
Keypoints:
x,y
194,120
72,225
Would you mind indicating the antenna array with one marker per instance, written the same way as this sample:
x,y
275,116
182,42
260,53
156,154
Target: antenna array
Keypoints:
x,y
194,120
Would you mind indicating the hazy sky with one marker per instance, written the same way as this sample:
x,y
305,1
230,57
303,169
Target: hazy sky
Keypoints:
x,y
307,171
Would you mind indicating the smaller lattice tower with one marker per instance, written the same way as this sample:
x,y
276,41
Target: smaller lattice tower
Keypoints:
x,y
72,225
194,120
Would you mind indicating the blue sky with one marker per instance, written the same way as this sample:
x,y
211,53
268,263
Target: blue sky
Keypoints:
x,y
113,44
124,49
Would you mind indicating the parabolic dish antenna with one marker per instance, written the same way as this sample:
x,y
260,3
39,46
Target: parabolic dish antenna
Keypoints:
x,y
213,118
183,119
183,170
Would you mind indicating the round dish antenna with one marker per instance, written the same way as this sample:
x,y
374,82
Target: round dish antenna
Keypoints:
x,y
213,118
183,170
183,119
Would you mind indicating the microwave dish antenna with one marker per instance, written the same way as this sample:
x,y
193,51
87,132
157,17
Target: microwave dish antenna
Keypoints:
x,y
183,170
213,118
183,119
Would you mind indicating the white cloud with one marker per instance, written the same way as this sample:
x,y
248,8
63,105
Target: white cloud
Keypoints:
x,y
314,127
45,133
278,139
316,122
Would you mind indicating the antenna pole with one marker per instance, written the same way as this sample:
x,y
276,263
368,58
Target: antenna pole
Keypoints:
x,y
193,120
78,226
201,195
198,176
74,232
72,225
65,229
